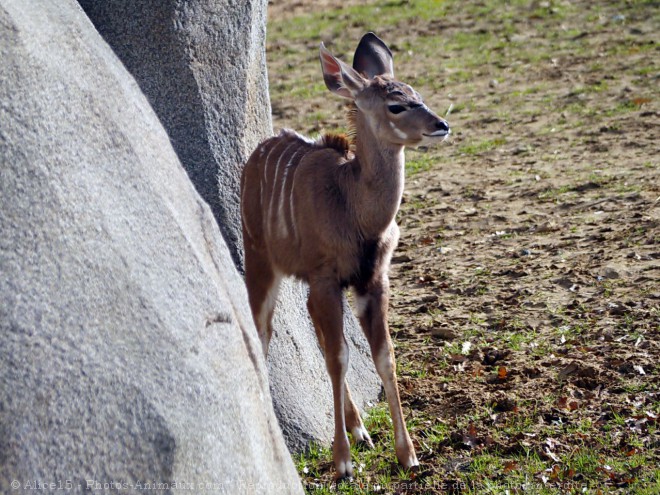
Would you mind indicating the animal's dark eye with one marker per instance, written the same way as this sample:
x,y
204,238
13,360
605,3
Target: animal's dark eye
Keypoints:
x,y
396,108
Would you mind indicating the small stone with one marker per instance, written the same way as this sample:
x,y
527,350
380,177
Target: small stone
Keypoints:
x,y
611,273
444,333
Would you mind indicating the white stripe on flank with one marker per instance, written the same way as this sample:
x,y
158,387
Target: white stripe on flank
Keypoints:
x,y
264,180
262,150
270,218
292,213
245,222
283,229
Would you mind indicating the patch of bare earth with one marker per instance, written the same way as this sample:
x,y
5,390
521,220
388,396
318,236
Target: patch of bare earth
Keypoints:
x,y
525,288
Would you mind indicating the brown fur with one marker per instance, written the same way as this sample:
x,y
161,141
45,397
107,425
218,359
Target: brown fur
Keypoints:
x,y
324,211
339,142
351,121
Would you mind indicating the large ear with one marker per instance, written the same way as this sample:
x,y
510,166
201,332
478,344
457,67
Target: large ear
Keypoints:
x,y
373,58
339,77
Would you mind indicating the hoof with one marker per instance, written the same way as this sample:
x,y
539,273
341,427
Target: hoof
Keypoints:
x,y
365,444
361,438
344,472
409,462
343,479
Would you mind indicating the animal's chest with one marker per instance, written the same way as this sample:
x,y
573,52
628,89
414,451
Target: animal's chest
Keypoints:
x,y
369,257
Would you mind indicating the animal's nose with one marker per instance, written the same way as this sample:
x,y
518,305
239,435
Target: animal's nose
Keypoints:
x,y
441,125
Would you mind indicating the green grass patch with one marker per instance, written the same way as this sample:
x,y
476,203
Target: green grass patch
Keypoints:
x,y
333,23
475,148
417,162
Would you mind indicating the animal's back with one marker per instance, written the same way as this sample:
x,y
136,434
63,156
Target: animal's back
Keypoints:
x,y
272,184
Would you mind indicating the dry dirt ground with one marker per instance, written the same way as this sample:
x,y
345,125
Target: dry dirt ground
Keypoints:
x,y
525,298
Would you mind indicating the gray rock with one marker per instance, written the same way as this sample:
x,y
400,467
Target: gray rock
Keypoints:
x,y
613,272
127,354
202,67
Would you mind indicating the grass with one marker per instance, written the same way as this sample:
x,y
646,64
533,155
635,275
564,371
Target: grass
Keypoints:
x,y
581,467
476,148
335,22
564,89
417,162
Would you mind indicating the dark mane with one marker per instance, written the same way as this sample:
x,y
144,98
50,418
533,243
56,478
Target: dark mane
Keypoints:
x,y
351,118
342,142
339,142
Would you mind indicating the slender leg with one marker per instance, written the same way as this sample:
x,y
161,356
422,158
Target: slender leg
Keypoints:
x,y
263,284
352,417
373,319
354,421
326,310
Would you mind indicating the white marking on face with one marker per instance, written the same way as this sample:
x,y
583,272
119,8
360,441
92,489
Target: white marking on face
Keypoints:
x,y
398,132
433,139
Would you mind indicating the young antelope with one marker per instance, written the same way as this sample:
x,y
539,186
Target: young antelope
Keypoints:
x,y
323,211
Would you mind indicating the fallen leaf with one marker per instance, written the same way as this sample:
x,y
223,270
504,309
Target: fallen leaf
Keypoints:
x,y
564,403
639,101
510,466
554,473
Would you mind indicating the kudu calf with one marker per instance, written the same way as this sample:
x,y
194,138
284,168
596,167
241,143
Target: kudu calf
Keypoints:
x,y
323,211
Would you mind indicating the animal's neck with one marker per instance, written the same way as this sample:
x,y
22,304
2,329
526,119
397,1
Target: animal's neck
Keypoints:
x,y
380,181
